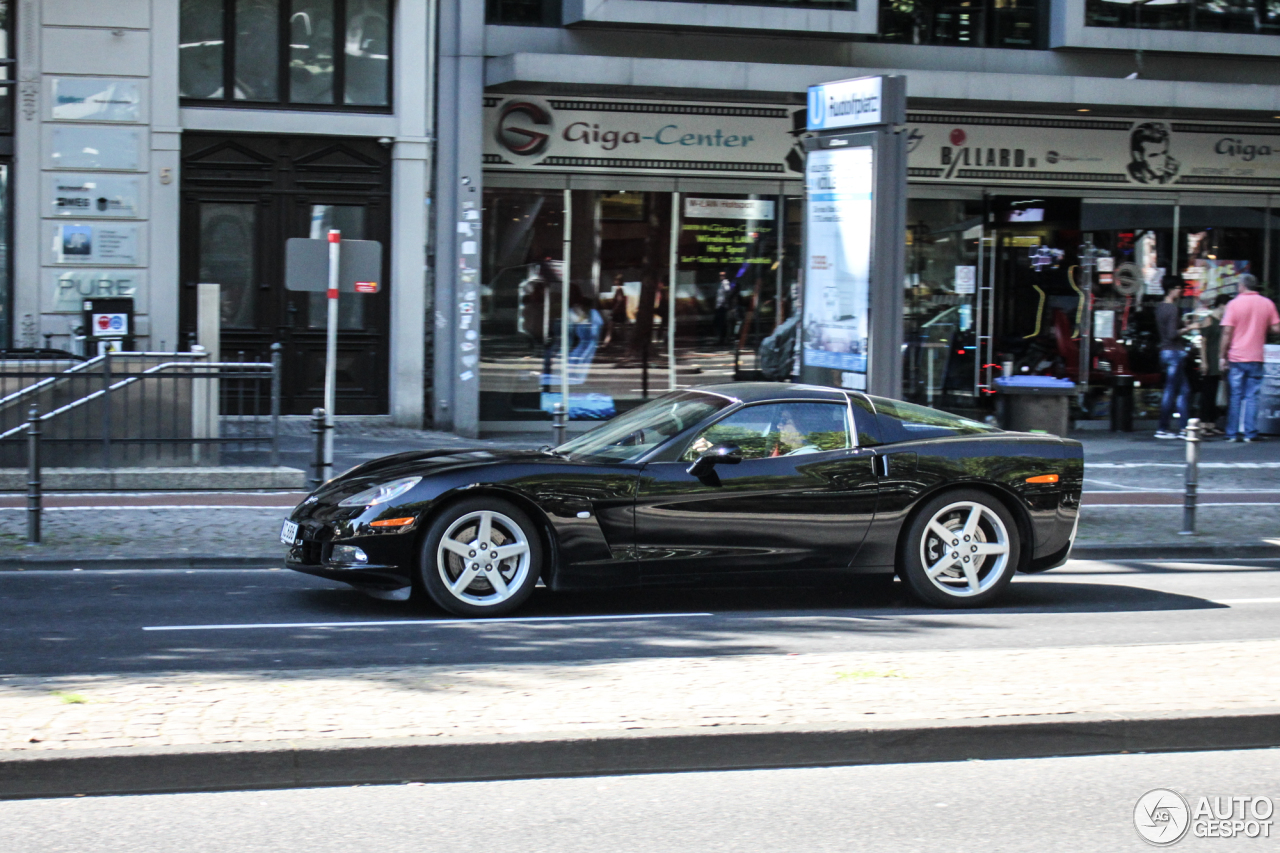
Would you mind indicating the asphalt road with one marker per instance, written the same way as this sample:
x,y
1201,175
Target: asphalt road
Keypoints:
x,y
1074,805
84,622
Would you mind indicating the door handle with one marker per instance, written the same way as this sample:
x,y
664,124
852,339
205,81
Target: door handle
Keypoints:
x,y
880,464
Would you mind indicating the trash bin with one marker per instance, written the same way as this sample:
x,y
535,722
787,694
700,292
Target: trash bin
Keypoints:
x,y
1034,404
1122,403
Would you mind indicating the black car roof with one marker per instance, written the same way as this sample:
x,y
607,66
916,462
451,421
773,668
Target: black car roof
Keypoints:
x,y
755,392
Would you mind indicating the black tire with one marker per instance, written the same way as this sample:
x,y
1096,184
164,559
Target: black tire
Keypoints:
x,y
969,568
494,587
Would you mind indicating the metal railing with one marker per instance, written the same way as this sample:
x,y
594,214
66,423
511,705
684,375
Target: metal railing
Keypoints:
x,y
142,409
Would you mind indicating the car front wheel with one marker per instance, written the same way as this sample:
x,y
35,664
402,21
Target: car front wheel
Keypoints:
x,y
961,550
481,557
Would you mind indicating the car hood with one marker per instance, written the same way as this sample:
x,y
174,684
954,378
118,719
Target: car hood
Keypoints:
x,y
423,463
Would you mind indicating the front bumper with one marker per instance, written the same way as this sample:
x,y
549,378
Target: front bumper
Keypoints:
x,y
392,555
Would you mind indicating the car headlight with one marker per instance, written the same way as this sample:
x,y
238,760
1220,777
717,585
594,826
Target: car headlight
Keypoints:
x,y
382,493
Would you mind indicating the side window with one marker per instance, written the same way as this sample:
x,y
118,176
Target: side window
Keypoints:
x,y
901,421
777,429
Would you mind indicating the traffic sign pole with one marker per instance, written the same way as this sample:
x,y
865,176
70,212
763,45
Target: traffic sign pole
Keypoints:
x,y
331,351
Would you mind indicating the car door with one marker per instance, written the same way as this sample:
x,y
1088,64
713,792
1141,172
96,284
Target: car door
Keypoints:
x,y
803,496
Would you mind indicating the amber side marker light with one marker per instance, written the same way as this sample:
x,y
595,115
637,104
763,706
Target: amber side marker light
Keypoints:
x,y
1043,478
401,522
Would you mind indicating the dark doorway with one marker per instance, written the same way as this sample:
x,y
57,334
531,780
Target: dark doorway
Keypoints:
x,y
242,197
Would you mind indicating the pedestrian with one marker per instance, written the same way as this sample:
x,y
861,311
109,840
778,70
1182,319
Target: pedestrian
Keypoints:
x,y
1210,327
1173,357
1244,333
724,307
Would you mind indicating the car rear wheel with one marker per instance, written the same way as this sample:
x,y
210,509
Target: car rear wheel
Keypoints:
x,y
961,550
481,557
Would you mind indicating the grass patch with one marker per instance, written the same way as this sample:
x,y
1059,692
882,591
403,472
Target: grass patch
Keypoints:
x,y
859,674
70,698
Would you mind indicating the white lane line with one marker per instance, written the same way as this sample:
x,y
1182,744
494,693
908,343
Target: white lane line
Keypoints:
x,y
162,507
1179,506
1240,466
397,623
1246,601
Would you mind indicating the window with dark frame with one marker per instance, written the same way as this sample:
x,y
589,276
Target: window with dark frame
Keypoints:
x,y
8,70
322,54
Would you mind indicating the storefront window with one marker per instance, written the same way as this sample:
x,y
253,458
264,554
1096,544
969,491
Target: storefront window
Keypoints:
x,y
546,13
1015,24
1215,16
732,288
942,271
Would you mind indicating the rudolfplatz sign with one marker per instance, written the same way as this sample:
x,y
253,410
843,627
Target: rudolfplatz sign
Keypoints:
x,y
653,137
1139,153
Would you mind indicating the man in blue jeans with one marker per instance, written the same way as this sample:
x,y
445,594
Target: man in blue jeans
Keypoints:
x,y
1173,357
1244,336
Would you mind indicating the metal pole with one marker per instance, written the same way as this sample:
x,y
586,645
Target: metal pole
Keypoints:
x,y
318,432
331,350
566,251
33,476
106,408
671,292
557,422
276,363
1193,478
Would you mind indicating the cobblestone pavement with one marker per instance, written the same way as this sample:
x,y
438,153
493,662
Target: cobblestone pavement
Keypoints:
x,y
773,690
252,532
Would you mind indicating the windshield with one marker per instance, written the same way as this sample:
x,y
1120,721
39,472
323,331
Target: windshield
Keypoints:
x,y
631,435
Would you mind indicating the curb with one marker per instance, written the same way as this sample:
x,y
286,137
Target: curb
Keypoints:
x,y
289,764
31,563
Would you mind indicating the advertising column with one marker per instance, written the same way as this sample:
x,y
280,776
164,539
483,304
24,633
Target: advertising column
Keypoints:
x,y
855,204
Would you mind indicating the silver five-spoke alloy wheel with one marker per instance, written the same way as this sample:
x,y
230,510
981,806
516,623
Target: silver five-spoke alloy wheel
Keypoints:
x,y
483,558
965,549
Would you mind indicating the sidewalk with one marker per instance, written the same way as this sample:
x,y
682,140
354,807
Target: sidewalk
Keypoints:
x,y
192,526
114,734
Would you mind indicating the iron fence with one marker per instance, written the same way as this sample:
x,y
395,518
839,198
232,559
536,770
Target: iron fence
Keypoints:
x,y
140,409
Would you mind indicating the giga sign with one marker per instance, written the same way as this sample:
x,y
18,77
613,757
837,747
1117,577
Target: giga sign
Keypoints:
x,y
685,138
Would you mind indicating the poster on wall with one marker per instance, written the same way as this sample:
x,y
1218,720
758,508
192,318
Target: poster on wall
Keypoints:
x,y
97,196
69,288
94,243
838,199
95,99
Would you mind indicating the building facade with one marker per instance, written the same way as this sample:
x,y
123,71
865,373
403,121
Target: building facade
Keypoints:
x,y
634,165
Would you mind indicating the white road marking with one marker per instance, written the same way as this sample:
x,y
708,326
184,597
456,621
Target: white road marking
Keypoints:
x,y
1246,601
1181,465
396,623
157,507
1179,506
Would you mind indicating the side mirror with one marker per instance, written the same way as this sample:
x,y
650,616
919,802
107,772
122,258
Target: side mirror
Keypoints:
x,y
721,454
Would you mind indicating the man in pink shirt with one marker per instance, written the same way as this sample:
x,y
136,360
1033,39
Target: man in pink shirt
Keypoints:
x,y
1244,333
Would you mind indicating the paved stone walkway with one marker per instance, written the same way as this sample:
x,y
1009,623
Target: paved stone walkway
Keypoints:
x,y
252,532
759,690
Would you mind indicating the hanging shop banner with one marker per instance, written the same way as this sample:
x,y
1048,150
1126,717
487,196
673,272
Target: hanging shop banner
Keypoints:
x,y
95,99
1042,150
96,196
650,137
839,219
93,243
70,288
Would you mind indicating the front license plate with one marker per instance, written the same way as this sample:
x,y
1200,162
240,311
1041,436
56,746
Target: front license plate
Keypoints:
x,y
289,532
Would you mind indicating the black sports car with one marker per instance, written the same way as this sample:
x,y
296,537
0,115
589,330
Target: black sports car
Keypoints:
x,y
731,482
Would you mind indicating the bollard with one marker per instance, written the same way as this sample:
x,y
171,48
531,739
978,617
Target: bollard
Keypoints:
x,y
558,422
33,476
317,457
277,350
1193,478
1122,404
